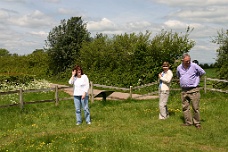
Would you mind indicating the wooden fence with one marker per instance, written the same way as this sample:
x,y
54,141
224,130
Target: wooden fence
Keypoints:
x,y
21,100
130,90
213,89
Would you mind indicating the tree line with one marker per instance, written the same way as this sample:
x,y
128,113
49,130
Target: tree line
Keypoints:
x,y
120,59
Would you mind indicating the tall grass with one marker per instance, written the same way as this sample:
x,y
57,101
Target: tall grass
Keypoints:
x,y
212,72
117,126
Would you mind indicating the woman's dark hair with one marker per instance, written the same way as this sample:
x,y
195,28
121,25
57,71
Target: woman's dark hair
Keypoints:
x,y
77,67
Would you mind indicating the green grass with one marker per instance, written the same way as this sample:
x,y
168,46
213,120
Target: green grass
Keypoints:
x,y
117,126
29,97
211,73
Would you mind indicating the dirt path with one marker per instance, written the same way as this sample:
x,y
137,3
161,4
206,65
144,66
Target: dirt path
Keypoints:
x,y
114,95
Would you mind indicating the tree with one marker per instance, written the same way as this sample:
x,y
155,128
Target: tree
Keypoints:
x,y
37,63
64,42
222,57
124,59
4,52
168,46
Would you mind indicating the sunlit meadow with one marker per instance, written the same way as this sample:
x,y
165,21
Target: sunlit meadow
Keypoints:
x,y
117,126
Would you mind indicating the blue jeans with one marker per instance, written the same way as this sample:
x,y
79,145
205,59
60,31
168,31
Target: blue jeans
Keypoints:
x,y
84,103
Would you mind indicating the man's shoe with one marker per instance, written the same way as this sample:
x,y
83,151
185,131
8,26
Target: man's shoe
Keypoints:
x,y
198,126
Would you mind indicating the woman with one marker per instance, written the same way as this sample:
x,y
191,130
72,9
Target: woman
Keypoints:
x,y
81,97
165,78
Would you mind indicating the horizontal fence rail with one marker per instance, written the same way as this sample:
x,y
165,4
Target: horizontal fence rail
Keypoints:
x,y
214,89
145,85
56,89
111,87
21,100
218,80
9,92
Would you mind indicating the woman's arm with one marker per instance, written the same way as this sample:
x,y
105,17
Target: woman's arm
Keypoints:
x,y
168,77
71,81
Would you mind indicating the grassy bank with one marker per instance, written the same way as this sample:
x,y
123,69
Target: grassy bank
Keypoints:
x,y
117,126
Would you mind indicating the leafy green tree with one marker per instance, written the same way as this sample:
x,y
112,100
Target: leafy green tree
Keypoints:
x,y
64,43
169,46
127,58
222,57
112,59
4,52
37,63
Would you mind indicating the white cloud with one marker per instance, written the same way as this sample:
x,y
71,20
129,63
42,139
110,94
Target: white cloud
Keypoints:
x,y
65,11
107,26
52,1
103,25
204,53
3,14
195,3
213,15
35,19
180,26
18,1
40,33
24,24
138,25
175,23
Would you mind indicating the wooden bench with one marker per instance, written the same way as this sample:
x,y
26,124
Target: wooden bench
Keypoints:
x,y
104,94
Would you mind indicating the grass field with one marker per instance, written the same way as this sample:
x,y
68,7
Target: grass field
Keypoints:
x,y
211,73
117,126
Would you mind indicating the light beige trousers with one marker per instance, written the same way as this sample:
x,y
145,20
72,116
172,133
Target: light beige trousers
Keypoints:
x,y
163,109
191,98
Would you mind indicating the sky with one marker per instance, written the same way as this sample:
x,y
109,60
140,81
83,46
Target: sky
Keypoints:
x,y
25,24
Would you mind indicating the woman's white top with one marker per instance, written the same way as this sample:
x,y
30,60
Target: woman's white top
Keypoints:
x,y
166,80
81,85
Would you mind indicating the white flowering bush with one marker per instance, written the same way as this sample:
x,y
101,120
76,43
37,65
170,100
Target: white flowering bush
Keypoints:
x,y
36,84
13,98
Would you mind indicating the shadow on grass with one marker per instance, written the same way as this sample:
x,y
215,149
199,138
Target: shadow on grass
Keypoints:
x,y
118,102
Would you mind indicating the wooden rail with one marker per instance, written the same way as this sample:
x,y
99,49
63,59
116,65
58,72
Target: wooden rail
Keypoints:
x,y
219,80
21,100
130,89
145,85
213,89
110,87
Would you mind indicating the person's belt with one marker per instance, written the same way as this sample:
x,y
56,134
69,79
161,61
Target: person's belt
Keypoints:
x,y
188,88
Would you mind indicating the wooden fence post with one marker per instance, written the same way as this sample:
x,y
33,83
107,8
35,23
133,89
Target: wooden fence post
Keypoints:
x,y
56,95
21,98
205,84
91,91
130,96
